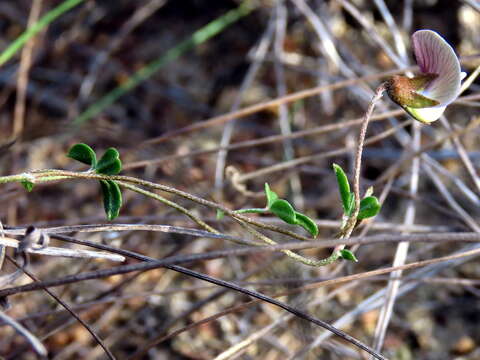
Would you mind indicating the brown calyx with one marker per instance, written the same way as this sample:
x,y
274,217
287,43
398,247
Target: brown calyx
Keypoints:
x,y
404,90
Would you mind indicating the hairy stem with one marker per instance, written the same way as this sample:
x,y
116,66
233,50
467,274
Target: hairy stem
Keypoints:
x,y
352,220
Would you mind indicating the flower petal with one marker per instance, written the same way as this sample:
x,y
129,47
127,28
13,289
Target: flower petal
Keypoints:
x,y
426,115
435,56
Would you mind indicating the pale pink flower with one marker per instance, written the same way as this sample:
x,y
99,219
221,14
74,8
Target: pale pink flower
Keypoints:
x,y
426,95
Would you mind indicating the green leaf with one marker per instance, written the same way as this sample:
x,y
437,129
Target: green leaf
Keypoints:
x,y
28,185
110,163
344,188
112,198
83,153
369,207
307,223
348,255
271,196
220,214
284,211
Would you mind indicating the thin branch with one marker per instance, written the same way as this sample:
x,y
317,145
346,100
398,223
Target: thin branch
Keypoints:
x,y
358,155
154,264
352,220
284,306
449,198
23,71
370,28
62,303
56,175
398,165
328,282
185,314
281,12
327,224
168,262
314,244
270,104
258,58
343,124
62,252
242,113
318,156
138,17
255,233
169,203
390,21
88,228
32,339
402,249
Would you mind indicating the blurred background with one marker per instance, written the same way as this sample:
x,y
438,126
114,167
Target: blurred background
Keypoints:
x,y
129,74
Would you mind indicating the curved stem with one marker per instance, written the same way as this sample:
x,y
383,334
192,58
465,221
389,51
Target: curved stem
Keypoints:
x,y
352,220
40,176
289,253
169,203
126,182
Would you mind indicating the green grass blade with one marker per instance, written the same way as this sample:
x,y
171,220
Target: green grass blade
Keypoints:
x,y
198,37
49,17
